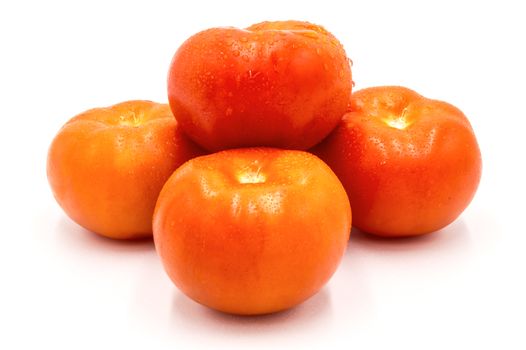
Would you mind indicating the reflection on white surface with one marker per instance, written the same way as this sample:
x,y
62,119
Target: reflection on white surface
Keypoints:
x,y
193,317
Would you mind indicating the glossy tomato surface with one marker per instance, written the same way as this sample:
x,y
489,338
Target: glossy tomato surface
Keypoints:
x,y
283,84
107,166
410,165
252,231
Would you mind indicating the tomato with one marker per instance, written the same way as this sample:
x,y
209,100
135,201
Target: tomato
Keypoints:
x,y
252,231
107,166
410,165
283,84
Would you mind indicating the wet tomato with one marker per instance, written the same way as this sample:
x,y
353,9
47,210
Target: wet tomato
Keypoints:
x,y
252,231
107,166
283,84
410,165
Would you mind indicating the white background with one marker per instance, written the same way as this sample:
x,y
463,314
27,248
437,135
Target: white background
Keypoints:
x,y
63,287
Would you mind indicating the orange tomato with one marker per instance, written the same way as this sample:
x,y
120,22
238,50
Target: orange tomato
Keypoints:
x,y
107,166
252,231
283,84
410,165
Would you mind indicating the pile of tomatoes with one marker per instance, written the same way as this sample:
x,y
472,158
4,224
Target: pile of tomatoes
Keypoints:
x,y
248,190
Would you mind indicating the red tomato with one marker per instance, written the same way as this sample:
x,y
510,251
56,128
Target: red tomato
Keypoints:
x,y
106,166
282,84
410,165
252,231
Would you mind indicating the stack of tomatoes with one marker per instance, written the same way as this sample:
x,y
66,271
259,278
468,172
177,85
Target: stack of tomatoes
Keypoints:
x,y
261,224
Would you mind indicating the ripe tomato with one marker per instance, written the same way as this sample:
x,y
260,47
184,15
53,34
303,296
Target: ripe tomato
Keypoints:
x,y
282,84
107,166
252,231
410,165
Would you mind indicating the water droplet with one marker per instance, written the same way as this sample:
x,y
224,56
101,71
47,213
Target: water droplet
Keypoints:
x,y
341,74
229,111
235,53
243,39
244,58
325,66
353,83
318,51
351,63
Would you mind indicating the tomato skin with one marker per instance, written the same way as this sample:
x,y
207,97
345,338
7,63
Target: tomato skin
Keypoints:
x,y
410,165
282,84
106,166
252,231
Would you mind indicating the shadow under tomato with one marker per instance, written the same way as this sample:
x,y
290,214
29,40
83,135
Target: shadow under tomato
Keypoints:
x,y
80,239
439,257
455,237
313,312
